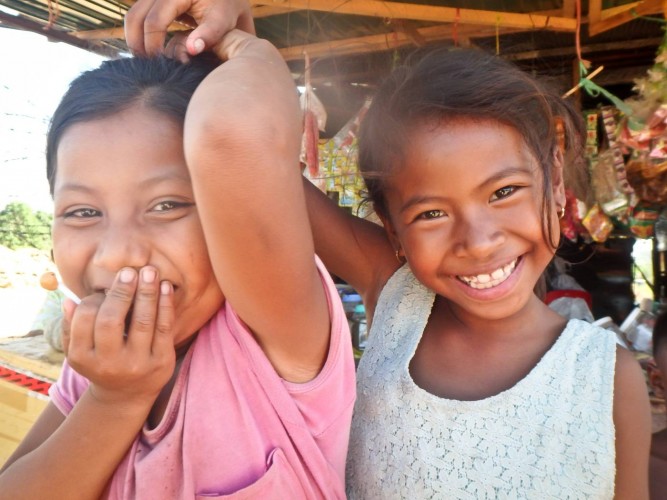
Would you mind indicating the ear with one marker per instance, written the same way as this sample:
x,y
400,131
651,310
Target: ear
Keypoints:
x,y
391,233
558,179
656,379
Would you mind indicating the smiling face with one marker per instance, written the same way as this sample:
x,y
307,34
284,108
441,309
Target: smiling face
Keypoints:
x,y
123,198
465,207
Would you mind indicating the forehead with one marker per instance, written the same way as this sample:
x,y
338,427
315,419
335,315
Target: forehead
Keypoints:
x,y
137,140
440,148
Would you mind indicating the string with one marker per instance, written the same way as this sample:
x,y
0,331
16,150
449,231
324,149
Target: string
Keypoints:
x,y
592,88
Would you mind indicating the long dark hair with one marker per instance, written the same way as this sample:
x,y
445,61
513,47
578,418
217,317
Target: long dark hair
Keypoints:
x,y
447,85
161,84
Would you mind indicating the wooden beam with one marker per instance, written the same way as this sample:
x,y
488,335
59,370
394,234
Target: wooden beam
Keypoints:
x,y
118,33
266,11
396,10
569,9
586,49
594,11
56,35
388,41
647,7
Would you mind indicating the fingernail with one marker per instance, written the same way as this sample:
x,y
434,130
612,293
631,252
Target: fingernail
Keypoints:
x,y
126,275
198,45
148,274
165,288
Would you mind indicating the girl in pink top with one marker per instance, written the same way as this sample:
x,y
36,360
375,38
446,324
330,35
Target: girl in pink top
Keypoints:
x,y
209,356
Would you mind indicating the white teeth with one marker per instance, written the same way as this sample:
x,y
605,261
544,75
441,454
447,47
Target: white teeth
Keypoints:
x,y
483,281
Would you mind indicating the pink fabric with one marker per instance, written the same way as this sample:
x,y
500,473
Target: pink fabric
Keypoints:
x,y
233,428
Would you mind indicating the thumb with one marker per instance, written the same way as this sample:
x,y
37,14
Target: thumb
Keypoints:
x,y
213,28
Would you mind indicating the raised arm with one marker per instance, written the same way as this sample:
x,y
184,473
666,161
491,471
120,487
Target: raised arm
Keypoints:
x,y
632,419
354,249
242,143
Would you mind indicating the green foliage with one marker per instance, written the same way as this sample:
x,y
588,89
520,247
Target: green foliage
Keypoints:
x,y
21,227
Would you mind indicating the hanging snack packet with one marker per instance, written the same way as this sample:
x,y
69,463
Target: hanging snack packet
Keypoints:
x,y
642,220
607,194
599,225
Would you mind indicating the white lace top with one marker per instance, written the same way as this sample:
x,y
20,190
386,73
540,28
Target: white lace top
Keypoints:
x,y
551,436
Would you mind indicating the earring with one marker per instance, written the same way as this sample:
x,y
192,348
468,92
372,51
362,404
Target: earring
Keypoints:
x,y
561,212
401,260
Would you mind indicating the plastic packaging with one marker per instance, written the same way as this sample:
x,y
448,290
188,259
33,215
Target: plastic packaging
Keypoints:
x,y
359,328
638,327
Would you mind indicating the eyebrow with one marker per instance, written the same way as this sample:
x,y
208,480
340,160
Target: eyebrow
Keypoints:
x,y
497,176
504,173
151,181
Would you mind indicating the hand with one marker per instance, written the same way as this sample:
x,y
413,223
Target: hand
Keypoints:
x,y
123,367
147,21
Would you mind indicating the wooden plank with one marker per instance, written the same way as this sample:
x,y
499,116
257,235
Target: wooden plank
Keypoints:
x,y
594,47
388,41
41,368
645,8
395,10
569,8
19,410
594,11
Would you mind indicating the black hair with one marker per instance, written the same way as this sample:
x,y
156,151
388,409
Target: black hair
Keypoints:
x,y
660,332
161,84
446,86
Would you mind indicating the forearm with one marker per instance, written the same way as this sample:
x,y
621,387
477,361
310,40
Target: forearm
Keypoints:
x,y
352,248
79,457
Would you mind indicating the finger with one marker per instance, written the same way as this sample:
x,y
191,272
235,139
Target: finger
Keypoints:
x,y
157,21
176,48
68,308
163,340
81,342
216,23
134,26
110,321
142,324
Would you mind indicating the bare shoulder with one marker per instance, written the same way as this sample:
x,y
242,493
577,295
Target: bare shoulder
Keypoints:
x,y
629,383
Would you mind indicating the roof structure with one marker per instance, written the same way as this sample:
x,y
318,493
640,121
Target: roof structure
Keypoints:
x,y
353,44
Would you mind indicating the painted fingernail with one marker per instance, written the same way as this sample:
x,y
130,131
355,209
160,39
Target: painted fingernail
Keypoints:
x,y
165,288
148,274
198,45
126,275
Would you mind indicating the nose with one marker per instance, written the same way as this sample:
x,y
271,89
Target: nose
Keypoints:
x,y
122,245
477,235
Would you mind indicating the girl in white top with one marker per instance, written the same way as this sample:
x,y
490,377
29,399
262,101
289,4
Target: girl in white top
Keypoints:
x,y
470,386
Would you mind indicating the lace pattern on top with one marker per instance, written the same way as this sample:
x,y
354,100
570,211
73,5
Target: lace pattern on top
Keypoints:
x,y
549,436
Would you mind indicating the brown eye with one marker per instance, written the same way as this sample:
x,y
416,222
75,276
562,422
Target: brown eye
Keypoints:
x,y
503,192
82,213
431,214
